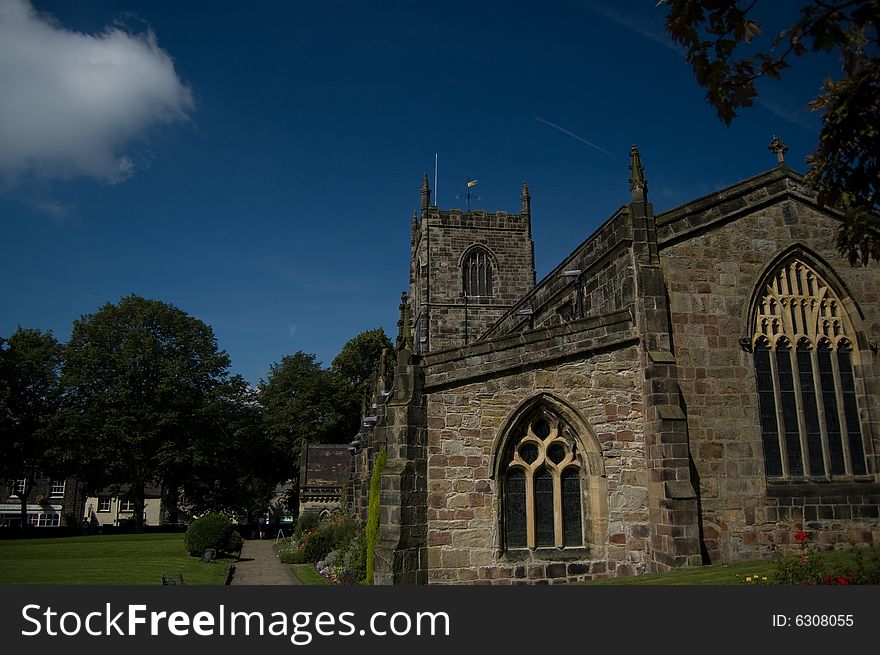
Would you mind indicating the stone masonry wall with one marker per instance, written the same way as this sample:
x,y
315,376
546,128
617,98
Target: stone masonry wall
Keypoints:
x,y
712,255
605,262
443,238
594,368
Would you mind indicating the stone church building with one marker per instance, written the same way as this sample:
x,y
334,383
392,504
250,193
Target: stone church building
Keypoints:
x,y
684,388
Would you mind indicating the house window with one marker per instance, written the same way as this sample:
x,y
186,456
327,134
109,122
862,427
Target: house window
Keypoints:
x,y
542,487
104,503
476,273
127,506
804,361
42,520
16,487
57,488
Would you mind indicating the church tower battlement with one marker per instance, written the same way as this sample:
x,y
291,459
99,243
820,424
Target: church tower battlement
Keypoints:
x,y
467,268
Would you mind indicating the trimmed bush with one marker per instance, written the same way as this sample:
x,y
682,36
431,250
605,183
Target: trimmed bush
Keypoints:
x,y
235,543
213,530
373,512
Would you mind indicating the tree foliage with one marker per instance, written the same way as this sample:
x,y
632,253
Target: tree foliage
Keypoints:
x,y
303,402
357,360
728,53
30,396
139,377
234,465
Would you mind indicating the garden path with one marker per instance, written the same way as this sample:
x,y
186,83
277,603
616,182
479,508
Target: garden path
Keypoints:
x,y
259,565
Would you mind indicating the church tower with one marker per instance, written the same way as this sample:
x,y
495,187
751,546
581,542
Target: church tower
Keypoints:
x,y
467,269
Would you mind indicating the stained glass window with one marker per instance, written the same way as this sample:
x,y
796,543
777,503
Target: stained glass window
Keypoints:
x,y
810,423
477,274
766,397
515,508
542,504
850,410
544,524
571,507
829,405
811,411
789,409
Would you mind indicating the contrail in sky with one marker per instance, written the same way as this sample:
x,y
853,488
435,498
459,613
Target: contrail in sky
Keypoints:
x,y
571,134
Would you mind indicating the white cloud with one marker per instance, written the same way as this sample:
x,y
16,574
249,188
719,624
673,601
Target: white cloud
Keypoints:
x,y
52,208
71,102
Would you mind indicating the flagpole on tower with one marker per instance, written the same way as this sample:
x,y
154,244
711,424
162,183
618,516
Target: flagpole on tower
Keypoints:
x,y
436,188
469,184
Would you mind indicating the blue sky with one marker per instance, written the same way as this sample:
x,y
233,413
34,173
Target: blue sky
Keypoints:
x,y
257,164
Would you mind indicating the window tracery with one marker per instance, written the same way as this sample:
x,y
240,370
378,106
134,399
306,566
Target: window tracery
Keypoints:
x,y
542,487
804,358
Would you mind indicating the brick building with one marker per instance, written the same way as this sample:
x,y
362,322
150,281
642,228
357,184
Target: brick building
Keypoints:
x,y
684,388
51,503
323,478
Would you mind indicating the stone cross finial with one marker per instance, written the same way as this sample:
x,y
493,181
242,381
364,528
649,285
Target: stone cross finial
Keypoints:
x,y
404,325
637,181
777,146
525,200
426,193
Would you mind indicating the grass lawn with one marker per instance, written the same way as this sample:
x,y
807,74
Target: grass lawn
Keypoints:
x,y
718,574
307,574
724,574
138,559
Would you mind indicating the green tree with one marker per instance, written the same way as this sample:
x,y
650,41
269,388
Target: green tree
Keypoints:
x,y
728,53
357,360
304,403
235,465
30,395
139,378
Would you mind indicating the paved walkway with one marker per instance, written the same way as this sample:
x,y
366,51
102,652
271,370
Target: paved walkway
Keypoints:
x,y
259,565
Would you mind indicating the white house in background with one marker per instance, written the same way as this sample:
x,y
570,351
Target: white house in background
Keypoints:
x,y
107,509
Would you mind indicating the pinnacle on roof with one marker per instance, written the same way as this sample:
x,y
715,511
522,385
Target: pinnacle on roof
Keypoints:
x,y
637,181
426,193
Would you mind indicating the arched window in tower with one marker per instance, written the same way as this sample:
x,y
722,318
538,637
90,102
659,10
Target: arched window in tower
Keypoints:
x,y
542,486
804,362
476,273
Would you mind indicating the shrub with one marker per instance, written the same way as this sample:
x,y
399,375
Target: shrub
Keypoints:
x,y
287,550
305,523
332,557
315,544
806,567
354,561
867,568
373,512
213,530
235,543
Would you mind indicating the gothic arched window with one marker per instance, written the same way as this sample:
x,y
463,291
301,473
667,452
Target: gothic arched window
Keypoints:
x,y
806,388
476,273
542,487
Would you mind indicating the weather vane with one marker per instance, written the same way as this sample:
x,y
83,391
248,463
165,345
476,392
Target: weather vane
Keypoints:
x,y
469,184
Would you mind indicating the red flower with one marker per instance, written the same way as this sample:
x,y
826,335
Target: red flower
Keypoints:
x,y
802,536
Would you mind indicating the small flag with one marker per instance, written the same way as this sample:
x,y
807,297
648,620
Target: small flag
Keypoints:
x,y
471,183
